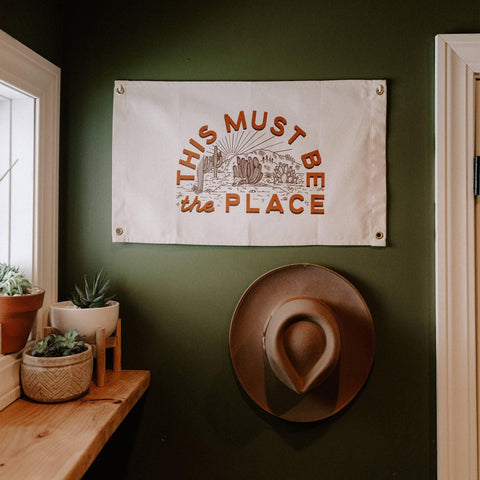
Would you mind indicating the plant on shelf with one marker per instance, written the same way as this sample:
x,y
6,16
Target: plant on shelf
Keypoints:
x,y
13,281
57,345
94,296
88,309
19,303
57,368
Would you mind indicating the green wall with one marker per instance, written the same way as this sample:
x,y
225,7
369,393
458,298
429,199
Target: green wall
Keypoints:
x,y
37,24
177,301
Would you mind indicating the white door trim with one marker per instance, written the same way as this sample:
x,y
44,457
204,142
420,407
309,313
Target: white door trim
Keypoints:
x,y
457,61
29,72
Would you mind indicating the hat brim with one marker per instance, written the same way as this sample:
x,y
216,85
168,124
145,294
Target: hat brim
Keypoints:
x,y
356,331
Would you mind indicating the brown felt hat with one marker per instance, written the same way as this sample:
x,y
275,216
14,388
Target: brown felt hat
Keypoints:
x,y
302,342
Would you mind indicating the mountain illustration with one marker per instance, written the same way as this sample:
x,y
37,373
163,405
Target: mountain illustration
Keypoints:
x,y
264,156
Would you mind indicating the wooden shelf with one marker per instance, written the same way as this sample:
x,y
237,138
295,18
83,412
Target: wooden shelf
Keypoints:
x,y
60,441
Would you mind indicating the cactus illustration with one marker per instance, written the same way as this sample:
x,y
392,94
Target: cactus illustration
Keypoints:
x,y
206,165
212,163
248,170
284,173
215,161
198,188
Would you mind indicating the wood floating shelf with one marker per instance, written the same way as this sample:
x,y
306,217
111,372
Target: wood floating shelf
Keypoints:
x,y
59,441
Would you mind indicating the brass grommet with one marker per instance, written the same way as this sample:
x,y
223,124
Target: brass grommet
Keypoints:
x,y
119,231
379,235
380,90
120,90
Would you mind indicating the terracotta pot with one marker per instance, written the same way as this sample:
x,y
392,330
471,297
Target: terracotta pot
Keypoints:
x,y
56,379
65,315
17,314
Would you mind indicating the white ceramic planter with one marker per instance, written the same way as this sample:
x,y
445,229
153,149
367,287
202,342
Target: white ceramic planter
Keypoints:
x,y
65,315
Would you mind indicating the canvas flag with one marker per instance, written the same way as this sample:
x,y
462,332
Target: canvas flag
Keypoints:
x,y
249,163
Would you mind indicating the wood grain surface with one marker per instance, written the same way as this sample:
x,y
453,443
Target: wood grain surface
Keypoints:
x,y
60,441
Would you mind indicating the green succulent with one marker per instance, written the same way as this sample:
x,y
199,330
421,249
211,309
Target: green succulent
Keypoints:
x,y
94,296
12,281
56,345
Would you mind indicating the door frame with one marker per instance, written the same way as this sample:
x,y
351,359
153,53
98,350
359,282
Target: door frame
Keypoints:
x,y
457,62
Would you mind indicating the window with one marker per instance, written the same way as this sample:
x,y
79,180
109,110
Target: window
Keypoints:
x,y
17,170
29,137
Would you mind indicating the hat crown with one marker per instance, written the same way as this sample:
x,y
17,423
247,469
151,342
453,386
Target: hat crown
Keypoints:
x,y
302,343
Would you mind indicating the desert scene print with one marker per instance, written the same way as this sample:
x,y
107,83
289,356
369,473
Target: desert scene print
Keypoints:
x,y
251,166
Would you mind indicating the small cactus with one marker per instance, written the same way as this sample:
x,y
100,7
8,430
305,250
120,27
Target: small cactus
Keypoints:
x,y
94,296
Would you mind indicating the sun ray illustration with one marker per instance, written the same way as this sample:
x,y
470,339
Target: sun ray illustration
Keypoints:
x,y
239,140
231,142
225,142
241,143
284,150
246,140
221,145
256,145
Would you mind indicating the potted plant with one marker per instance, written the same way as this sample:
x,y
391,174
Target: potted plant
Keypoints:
x,y
19,303
87,309
58,368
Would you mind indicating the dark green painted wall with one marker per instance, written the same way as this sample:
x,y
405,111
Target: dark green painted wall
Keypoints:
x,y
37,24
177,301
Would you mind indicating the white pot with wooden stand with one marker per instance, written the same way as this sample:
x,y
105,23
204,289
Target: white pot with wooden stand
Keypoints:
x,y
65,315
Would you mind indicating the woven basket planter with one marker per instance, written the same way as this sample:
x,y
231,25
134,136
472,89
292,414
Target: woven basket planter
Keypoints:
x,y
56,379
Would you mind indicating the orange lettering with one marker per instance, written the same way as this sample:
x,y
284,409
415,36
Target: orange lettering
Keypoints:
x,y
317,204
205,133
197,145
294,209
184,177
249,208
315,176
274,205
298,132
209,207
186,206
188,162
254,117
240,121
280,123
231,199
311,159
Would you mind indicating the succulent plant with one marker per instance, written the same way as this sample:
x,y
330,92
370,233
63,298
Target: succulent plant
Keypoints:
x,y
94,296
13,281
56,345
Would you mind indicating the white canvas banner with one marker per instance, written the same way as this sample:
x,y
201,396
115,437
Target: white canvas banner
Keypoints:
x,y
250,163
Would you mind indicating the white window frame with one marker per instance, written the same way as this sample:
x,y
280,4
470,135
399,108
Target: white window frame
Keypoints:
x,y
18,127
457,63
27,71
